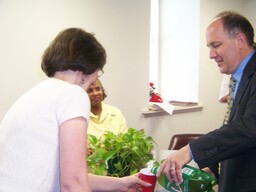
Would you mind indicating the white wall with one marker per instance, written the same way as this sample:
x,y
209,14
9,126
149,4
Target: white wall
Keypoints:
x,y
122,26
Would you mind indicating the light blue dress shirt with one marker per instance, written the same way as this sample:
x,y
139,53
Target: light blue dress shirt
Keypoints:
x,y
239,71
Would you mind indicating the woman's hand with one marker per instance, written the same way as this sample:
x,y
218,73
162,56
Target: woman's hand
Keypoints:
x,y
124,184
89,151
133,183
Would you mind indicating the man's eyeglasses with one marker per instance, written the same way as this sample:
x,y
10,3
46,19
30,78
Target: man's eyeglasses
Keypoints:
x,y
100,73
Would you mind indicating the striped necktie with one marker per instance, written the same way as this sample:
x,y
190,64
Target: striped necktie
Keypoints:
x,y
232,85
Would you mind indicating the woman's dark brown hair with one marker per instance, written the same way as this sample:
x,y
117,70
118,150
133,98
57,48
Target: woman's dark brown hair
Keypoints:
x,y
73,49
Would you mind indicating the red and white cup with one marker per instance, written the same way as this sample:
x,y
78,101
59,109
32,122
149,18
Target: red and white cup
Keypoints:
x,y
146,175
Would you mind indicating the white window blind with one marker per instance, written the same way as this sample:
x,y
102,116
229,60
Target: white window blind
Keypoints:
x,y
174,53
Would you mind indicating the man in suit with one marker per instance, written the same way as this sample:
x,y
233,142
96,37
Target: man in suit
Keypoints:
x,y
230,40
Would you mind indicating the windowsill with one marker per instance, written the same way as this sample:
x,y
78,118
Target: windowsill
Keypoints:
x,y
177,110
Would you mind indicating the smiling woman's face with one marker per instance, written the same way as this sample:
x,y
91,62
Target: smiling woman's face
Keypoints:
x,y
95,93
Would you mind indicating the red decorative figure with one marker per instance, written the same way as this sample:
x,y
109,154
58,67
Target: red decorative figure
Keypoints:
x,y
154,97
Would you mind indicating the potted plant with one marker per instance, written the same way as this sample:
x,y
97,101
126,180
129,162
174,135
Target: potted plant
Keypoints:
x,y
120,155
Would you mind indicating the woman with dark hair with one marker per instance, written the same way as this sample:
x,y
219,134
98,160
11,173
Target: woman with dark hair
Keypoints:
x,y
42,143
103,117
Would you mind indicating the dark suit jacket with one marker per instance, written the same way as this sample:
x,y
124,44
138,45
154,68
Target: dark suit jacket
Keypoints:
x,y
234,144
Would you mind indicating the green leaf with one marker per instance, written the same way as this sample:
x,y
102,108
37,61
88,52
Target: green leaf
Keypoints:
x,y
133,150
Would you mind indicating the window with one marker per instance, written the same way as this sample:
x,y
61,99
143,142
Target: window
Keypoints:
x,y
174,49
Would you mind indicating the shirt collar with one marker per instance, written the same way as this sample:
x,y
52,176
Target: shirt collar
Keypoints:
x,y
239,70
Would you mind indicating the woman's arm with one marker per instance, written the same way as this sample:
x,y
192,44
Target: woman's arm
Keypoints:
x,y
111,184
73,168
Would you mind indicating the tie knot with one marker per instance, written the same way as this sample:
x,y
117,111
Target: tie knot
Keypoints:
x,y
232,79
232,82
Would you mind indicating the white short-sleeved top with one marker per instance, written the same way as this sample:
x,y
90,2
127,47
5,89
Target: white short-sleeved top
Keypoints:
x,y
29,135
